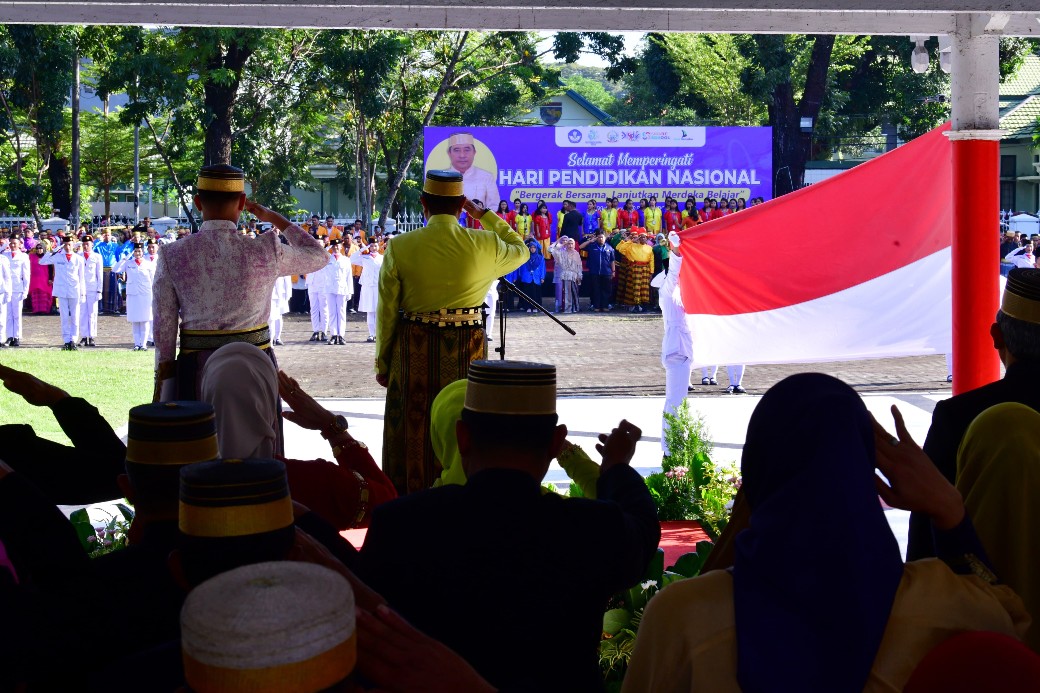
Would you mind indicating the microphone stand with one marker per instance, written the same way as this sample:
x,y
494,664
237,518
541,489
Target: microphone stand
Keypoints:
x,y
510,286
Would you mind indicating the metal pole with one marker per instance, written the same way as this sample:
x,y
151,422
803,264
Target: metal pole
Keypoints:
x,y
75,140
137,173
975,140
149,196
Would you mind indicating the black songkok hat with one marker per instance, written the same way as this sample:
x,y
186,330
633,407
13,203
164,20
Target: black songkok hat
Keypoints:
x,y
221,178
234,498
1022,295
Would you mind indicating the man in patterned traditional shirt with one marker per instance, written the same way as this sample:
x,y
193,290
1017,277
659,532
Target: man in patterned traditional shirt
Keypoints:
x,y
217,283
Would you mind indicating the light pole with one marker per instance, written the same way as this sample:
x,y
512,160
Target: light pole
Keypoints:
x,y
149,196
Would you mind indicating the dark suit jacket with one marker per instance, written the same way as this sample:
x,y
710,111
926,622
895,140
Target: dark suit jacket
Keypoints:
x,y
513,580
950,420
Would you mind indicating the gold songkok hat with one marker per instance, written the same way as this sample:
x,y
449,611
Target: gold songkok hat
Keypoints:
x,y
171,433
461,138
511,387
443,183
284,626
234,498
221,178
1022,295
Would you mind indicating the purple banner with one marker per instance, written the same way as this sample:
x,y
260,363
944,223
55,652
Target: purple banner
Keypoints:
x,y
595,163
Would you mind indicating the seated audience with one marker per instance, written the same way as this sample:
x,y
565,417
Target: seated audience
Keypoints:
x,y
998,473
818,598
466,564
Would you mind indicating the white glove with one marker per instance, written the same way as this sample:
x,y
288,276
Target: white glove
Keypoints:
x,y
673,238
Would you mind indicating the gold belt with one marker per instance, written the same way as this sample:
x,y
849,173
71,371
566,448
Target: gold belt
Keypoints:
x,y
454,317
211,340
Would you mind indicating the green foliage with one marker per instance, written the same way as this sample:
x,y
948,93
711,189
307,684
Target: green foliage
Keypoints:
x,y
112,536
625,610
691,486
593,90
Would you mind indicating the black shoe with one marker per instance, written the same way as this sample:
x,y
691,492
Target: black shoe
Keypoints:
x,y
16,342
949,378
736,390
149,343
83,341
69,346
279,342
10,341
712,381
314,337
705,381
322,337
3,346
90,342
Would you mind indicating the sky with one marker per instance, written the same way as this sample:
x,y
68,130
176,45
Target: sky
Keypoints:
x,y
632,41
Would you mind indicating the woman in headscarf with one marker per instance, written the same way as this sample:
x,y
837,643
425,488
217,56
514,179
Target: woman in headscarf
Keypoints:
x,y
40,281
998,473
818,598
241,384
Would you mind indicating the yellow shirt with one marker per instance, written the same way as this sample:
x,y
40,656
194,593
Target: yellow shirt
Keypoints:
x,y
608,219
636,252
442,265
688,636
334,232
652,217
523,224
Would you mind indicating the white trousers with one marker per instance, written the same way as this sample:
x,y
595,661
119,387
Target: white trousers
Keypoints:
x,y
371,318
676,381
3,322
276,328
735,373
319,311
142,332
68,309
337,308
14,316
88,311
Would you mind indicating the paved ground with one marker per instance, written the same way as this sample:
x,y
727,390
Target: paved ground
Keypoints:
x,y
612,355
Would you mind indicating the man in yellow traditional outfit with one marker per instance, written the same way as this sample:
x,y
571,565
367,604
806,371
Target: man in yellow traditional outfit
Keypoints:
x,y
429,327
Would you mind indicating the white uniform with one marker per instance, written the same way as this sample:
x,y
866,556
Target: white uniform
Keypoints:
x,y
279,305
19,290
677,345
5,295
316,296
339,289
140,277
69,288
93,271
370,264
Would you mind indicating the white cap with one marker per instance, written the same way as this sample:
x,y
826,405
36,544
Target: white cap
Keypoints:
x,y
284,625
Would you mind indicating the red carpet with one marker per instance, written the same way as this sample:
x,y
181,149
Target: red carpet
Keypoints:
x,y
677,538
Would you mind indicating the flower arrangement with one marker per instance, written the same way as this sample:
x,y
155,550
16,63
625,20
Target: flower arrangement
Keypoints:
x,y
690,486
112,536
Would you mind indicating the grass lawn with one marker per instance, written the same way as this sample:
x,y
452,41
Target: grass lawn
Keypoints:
x,y
113,381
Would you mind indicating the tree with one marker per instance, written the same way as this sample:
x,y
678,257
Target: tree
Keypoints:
x,y
592,90
35,82
106,153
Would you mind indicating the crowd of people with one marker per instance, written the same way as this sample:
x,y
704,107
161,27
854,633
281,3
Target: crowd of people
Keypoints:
x,y
237,577
1017,249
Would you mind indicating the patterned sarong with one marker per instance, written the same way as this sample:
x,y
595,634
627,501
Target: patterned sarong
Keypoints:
x,y
424,360
637,287
622,278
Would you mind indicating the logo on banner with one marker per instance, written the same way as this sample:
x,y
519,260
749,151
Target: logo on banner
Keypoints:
x,y
612,136
551,113
574,136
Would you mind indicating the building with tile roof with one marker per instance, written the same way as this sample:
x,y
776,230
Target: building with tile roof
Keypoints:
x,y
1019,157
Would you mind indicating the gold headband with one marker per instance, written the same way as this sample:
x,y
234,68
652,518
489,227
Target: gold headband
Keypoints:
x,y
234,520
171,451
315,674
507,399
221,184
443,188
1020,308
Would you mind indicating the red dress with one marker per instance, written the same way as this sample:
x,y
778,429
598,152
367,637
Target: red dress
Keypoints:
x,y
627,219
687,222
39,285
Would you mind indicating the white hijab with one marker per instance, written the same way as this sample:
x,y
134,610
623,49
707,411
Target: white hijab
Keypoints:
x,y
241,383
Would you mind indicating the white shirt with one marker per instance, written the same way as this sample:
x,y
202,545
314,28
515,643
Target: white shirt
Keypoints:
x,y
69,281
478,184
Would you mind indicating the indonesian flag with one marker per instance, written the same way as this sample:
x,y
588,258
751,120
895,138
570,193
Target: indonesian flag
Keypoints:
x,y
854,267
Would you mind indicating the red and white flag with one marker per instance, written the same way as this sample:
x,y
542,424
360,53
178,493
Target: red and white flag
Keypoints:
x,y
854,267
